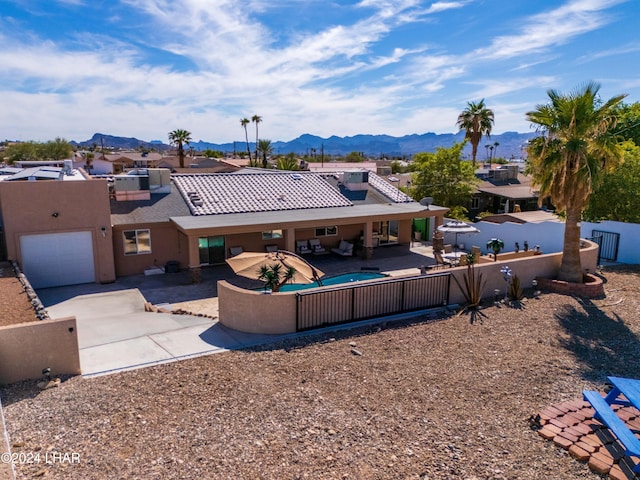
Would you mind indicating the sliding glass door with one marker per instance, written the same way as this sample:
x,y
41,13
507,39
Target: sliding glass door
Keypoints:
x,y
388,232
211,250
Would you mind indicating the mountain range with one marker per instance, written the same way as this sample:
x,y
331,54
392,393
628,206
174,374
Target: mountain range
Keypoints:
x,y
509,144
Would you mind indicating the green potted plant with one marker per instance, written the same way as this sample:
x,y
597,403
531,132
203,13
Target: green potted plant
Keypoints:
x,y
495,244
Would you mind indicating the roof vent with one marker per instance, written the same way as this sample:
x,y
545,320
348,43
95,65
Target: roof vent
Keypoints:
x,y
195,199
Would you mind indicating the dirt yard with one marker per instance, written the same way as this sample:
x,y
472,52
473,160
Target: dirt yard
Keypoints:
x,y
433,398
15,307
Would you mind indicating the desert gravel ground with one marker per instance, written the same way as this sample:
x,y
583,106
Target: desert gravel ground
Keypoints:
x,y
432,398
15,307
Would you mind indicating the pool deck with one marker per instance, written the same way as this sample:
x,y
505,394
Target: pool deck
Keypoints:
x,y
115,333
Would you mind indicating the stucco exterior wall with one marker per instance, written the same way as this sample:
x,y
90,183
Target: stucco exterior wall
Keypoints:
x,y
256,312
28,208
527,268
167,244
27,348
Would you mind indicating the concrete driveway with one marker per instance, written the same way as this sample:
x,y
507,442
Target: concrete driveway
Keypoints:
x,y
115,333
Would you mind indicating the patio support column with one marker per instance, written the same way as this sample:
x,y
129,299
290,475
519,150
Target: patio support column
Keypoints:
x,y
367,241
290,239
194,258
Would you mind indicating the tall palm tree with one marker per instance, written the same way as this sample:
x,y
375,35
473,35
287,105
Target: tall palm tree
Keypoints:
x,y
265,148
476,120
178,138
495,149
577,145
244,122
257,119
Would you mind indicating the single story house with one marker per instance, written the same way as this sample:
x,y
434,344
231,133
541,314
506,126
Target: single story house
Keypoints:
x,y
204,218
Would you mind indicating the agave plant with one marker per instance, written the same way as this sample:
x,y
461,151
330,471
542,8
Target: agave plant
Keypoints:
x,y
496,245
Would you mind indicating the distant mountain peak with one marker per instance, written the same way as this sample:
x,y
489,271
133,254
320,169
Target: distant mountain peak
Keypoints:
x,y
510,144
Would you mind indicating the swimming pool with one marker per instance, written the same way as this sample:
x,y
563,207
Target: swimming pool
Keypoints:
x,y
335,280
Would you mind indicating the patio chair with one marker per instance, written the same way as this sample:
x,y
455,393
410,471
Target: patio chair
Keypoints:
x,y
316,247
462,261
448,248
302,247
271,248
440,261
476,252
233,251
345,249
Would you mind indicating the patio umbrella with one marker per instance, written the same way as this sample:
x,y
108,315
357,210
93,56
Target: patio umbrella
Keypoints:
x,y
457,228
248,264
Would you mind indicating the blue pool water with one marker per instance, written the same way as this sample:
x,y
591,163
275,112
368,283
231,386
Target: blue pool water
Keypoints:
x,y
335,280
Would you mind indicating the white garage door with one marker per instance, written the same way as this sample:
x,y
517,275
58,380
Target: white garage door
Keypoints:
x,y
54,259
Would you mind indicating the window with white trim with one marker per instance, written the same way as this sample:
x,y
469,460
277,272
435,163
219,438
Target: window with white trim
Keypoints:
x,y
137,242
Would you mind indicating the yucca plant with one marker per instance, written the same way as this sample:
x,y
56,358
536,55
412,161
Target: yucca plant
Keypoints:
x,y
274,276
473,284
515,289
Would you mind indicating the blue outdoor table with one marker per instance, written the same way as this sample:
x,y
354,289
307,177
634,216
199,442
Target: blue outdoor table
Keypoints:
x,y
630,388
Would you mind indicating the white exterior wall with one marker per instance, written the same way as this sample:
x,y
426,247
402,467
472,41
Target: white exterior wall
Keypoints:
x,y
550,236
628,251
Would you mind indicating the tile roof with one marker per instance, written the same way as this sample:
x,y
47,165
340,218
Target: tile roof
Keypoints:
x,y
388,190
256,191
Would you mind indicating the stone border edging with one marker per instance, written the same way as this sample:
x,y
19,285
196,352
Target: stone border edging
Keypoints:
x,y
38,307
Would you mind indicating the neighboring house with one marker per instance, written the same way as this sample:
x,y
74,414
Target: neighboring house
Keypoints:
x,y
205,216
56,225
117,162
503,189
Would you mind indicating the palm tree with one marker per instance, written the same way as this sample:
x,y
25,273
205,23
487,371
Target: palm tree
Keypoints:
x,y
577,145
179,137
265,148
244,122
495,149
257,119
476,120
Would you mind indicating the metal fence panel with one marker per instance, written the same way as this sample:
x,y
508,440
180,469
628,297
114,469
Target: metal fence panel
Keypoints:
x,y
349,303
608,242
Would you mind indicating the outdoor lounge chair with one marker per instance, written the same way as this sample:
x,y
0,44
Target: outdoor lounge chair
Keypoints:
x,y
345,249
440,261
302,247
233,251
316,247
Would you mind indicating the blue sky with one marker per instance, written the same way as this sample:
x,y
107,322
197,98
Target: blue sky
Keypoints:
x,y
141,68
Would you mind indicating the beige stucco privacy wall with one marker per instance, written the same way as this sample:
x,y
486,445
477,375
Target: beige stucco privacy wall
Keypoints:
x,y
27,348
527,269
51,206
256,312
